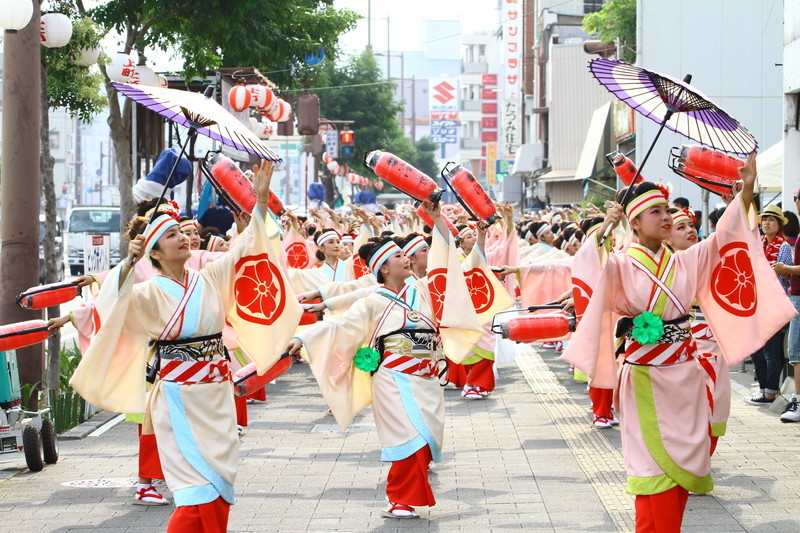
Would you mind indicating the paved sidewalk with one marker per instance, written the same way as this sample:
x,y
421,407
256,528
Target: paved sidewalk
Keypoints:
x,y
525,458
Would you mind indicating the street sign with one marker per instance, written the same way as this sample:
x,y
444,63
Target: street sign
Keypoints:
x,y
315,58
332,144
348,151
443,105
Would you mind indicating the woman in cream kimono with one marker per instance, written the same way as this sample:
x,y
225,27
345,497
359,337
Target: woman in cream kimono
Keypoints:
x,y
661,392
182,313
386,349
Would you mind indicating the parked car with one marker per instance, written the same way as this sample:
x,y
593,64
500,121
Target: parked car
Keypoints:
x,y
94,220
59,249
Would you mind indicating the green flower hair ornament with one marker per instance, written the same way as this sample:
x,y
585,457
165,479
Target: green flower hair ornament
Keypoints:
x,y
367,359
648,328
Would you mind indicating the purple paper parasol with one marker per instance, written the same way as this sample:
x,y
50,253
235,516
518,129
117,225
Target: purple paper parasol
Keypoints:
x,y
196,110
688,111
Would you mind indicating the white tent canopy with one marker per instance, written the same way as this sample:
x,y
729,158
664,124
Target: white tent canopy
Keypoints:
x,y
770,168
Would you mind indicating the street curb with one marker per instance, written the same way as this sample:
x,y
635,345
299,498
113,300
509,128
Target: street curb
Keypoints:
x,y
82,431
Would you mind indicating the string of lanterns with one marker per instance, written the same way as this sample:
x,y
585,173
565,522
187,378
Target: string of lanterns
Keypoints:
x,y
352,177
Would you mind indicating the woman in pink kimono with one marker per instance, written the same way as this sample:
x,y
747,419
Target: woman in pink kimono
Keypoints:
x,y
661,392
386,349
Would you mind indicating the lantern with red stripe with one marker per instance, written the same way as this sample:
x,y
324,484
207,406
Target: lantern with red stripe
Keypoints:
x,y
624,168
710,169
231,183
21,334
258,95
532,328
239,97
269,100
246,380
46,296
470,193
406,178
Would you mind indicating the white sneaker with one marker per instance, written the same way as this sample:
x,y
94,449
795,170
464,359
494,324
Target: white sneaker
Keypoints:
x,y
791,413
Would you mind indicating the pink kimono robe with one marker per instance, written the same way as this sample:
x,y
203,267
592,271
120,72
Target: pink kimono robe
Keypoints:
x,y
663,400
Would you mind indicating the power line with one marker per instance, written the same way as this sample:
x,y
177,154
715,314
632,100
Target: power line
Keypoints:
x,y
337,87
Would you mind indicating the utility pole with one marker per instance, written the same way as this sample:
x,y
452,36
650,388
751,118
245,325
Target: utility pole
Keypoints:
x,y
78,164
369,24
388,52
413,109
19,196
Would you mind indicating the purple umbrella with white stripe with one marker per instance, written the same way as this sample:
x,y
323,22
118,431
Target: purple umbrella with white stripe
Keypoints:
x,y
674,104
201,114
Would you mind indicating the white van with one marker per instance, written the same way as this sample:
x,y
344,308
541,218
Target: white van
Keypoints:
x,y
94,220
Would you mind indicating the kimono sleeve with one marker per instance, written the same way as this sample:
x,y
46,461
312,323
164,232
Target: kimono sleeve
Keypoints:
x,y
331,346
339,288
111,374
340,304
257,297
739,293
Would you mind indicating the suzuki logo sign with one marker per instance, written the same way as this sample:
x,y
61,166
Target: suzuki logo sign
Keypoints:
x,y
444,92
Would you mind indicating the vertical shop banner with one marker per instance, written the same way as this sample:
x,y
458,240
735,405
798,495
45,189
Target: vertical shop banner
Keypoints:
x,y
511,117
443,105
96,253
491,157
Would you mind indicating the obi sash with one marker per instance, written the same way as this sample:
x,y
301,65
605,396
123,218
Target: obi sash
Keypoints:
x,y
190,361
410,352
676,344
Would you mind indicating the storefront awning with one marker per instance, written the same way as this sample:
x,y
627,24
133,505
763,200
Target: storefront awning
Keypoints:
x,y
558,175
594,149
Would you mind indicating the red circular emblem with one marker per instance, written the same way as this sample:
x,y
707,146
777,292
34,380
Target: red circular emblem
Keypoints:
x,y
437,283
297,255
581,293
259,290
360,269
480,290
733,281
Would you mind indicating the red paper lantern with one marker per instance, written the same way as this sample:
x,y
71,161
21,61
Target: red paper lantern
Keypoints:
x,y
708,168
232,184
21,334
536,327
275,204
428,221
239,97
403,176
471,192
246,380
46,296
269,100
624,168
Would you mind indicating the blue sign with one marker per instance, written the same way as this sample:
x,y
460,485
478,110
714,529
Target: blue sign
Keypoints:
x,y
99,172
444,131
347,150
503,166
315,58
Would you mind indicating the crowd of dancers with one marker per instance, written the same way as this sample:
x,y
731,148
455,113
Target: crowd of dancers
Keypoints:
x,y
406,299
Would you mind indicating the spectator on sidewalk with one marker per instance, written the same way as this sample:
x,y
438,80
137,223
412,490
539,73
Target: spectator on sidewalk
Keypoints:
x,y
792,272
768,361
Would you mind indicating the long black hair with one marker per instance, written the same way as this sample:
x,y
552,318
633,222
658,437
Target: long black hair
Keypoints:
x,y
366,251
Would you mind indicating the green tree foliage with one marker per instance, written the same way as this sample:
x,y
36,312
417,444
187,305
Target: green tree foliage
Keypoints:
x,y
362,95
425,159
76,88
617,20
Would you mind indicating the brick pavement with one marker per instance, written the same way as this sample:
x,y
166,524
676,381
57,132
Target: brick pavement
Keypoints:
x,y
526,458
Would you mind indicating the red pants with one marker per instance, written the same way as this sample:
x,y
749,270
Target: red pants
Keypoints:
x,y
481,374
149,462
714,441
407,482
662,512
601,402
456,374
206,518
260,395
241,410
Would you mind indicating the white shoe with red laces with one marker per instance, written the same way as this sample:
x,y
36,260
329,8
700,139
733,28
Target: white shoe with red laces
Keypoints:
x,y
148,495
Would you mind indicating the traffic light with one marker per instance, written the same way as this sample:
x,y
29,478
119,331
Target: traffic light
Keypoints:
x,y
346,140
307,114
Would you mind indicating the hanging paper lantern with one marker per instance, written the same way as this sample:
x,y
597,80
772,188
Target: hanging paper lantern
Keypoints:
x,y
121,68
286,111
258,94
86,57
15,14
379,185
333,166
275,113
239,97
267,130
161,81
351,177
144,76
269,100
56,30
255,125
